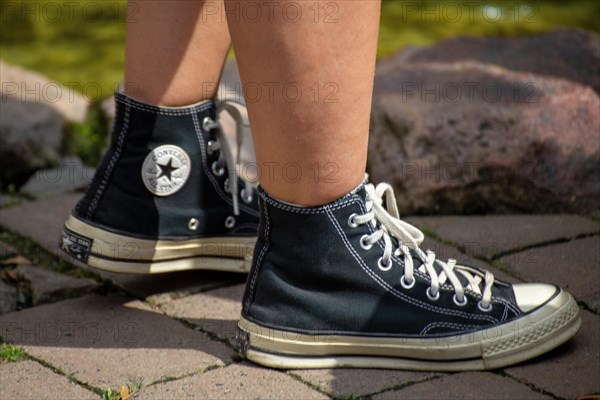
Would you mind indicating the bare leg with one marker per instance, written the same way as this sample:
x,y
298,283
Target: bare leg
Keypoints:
x,y
311,147
175,51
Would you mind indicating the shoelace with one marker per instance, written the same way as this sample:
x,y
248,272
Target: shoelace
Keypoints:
x,y
388,224
226,156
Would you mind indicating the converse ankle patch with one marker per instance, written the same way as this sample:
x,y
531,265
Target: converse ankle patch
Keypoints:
x,y
165,170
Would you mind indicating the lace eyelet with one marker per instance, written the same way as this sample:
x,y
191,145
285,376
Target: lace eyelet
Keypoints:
x,y
407,285
209,147
382,266
193,224
207,124
484,309
363,244
217,169
247,198
432,297
351,222
229,222
227,186
458,303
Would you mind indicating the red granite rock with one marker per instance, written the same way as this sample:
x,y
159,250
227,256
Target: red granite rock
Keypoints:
x,y
473,138
573,54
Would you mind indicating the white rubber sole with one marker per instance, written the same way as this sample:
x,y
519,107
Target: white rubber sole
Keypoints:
x,y
108,251
506,344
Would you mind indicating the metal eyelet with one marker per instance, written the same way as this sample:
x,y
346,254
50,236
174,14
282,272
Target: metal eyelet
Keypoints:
x,y
246,197
488,309
363,244
351,222
227,186
217,169
229,222
430,296
458,303
209,147
193,224
406,285
207,124
382,266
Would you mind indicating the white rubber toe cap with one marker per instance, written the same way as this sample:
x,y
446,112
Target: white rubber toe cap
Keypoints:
x,y
532,295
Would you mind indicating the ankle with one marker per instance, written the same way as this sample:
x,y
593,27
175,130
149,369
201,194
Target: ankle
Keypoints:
x,y
307,193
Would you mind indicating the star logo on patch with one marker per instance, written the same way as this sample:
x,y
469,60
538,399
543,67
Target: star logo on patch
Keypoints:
x,y
165,170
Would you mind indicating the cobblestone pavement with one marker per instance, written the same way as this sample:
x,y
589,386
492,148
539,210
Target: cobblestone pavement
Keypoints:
x,y
85,334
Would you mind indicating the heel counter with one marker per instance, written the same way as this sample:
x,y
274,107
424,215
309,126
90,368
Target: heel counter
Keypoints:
x,y
87,206
262,247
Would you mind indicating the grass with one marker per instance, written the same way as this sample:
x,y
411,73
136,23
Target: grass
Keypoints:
x,y
11,353
88,138
83,43
116,394
418,23
84,47
43,256
123,392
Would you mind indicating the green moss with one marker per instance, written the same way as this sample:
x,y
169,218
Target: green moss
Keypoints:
x,y
11,353
418,23
87,139
80,43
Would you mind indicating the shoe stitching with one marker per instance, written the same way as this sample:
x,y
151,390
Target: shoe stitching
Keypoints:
x,y
395,292
78,206
247,225
259,260
446,287
307,210
215,183
451,325
504,314
115,157
204,106
341,203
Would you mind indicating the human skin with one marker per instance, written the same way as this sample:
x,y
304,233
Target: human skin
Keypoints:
x,y
307,69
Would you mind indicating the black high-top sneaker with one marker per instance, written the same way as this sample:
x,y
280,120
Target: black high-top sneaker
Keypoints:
x,y
166,195
346,285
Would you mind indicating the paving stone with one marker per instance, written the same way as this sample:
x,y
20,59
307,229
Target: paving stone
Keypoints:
x,y
108,341
161,288
70,175
236,381
42,221
16,260
7,250
29,380
571,370
572,265
48,286
344,383
490,235
216,311
466,385
445,252
9,200
593,302
8,298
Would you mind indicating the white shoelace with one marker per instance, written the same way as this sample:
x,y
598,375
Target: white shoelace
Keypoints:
x,y
386,220
226,155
